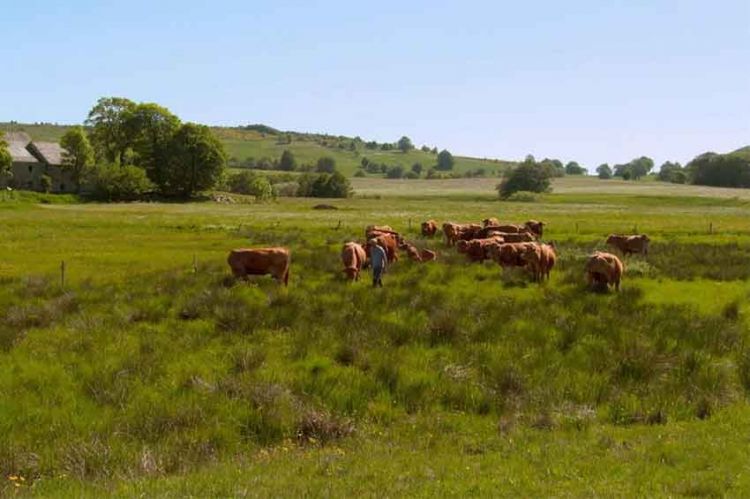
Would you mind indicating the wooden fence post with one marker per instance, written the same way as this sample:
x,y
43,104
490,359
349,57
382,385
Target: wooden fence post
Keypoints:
x,y
195,264
710,227
62,274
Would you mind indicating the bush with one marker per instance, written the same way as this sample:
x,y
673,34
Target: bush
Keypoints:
x,y
411,175
523,197
118,183
46,183
395,172
360,173
529,176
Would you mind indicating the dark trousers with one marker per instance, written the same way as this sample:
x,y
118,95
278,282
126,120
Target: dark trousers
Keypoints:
x,y
377,277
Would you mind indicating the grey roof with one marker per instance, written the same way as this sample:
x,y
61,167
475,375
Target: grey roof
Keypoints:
x,y
48,152
17,143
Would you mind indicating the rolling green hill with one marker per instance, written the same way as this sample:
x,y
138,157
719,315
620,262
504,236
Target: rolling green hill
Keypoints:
x,y
260,142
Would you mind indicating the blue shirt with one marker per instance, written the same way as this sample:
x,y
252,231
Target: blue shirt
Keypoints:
x,y
378,257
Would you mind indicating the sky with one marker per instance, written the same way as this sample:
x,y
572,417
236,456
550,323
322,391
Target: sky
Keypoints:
x,y
587,80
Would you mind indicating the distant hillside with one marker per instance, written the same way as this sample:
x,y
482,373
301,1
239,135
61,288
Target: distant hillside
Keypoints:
x,y
262,141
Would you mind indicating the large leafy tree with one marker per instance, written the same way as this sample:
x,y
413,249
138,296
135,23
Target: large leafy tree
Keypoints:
x,y
152,128
445,160
604,171
573,168
79,154
528,176
405,144
196,161
112,133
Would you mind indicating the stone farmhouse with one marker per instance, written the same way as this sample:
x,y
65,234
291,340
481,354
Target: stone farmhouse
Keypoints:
x,y
33,160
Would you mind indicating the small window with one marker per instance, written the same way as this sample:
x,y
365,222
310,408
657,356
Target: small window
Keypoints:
x,y
31,168
62,187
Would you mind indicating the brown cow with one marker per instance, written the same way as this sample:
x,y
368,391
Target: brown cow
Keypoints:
x,y
629,244
353,255
245,262
509,237
477,250
490,222
509,254
455,232
604,268
535,259
429,228
389,243
427,255
411,251
467,232
549,258
535,227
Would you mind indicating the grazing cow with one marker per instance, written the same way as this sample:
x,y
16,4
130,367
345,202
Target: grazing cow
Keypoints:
x,y
535,259
245,262
477,250
411,251
353,255
455,232
490,222
549,258
508,254
389,242
511,237
429,228
536,227
450,230
427,255
629,244
604,268
467,232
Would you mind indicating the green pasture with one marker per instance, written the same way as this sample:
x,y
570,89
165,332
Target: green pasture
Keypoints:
x,y
151,373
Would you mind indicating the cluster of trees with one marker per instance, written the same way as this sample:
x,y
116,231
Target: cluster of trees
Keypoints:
x,y
635,169
445,162
132,149
555,167
720,170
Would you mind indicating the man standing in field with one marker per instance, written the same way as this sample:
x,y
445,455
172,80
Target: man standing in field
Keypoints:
x,y
379,262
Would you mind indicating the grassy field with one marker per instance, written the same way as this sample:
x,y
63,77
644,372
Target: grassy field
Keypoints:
x,y
307,148
150,374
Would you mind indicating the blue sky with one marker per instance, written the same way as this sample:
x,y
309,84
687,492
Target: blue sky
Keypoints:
x,y
592,81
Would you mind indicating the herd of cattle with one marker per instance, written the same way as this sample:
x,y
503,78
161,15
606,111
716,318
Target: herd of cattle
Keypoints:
x,y
509,245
